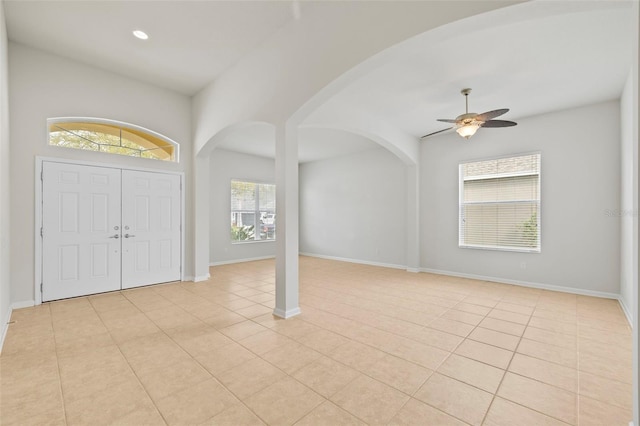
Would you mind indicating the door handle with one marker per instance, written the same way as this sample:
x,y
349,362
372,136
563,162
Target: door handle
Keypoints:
x,y
129,236
116,236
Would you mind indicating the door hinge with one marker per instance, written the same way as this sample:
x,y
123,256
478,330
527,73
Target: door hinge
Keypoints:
x,y
40,287
42,175
41,232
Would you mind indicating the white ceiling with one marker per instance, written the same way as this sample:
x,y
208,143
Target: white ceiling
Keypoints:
x,y
517,58
190,42
529,64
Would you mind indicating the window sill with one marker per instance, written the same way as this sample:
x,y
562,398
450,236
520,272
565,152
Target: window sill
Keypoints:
x,y
252,242
494,248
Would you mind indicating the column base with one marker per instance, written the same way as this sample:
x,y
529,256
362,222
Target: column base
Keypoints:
x,y
286,314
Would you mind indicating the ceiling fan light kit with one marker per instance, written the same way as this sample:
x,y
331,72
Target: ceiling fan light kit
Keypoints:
x,y
467,130
467,124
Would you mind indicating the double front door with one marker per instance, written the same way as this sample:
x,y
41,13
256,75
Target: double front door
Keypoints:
x,y
106,229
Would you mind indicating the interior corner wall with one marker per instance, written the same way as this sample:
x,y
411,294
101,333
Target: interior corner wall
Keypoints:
x,y
628,212
354,208
580,198
225,166
5,260
43,85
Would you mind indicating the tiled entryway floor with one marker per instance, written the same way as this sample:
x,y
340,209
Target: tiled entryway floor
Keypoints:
x,y
372,346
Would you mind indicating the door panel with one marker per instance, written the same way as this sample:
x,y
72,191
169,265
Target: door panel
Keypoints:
x,y
151,243
81,209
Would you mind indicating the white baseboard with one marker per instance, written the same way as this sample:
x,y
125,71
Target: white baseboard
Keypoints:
x,y
201,278
229,262
5,323
627,312
525,284
530,284
23,304
188,278
286,314
5,327
361,262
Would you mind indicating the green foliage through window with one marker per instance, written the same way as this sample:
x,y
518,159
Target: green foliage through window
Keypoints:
x,y
242,233
253,211
110,137
530,230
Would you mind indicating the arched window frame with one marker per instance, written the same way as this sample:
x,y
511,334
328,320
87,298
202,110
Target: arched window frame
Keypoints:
x,y
121,125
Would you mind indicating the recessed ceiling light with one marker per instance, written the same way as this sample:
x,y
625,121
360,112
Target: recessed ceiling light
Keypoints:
x,y
140,34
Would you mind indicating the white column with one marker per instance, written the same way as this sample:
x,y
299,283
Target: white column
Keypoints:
x,y
201,219
286,221
413,218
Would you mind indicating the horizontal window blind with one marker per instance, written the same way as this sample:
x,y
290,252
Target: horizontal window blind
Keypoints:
x,y
500,203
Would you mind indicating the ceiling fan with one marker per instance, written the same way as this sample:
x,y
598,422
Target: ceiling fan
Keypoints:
x,y
468,123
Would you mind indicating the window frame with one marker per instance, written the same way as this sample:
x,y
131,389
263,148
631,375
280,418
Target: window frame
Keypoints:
x,y
461,203
121,124
256,211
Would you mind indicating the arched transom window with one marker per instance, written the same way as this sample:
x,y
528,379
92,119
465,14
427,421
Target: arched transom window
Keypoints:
x,y
111,137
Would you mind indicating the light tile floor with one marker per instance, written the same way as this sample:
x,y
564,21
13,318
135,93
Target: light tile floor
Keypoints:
x,y
372,346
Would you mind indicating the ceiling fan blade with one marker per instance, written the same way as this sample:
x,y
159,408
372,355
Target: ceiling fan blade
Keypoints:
x,y
435,133
486,116
498,123
447,120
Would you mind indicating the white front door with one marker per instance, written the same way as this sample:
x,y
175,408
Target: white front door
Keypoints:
x,y
80,232
151,234
106,229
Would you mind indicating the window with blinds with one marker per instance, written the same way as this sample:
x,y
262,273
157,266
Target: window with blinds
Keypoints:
x,y
253,211
500,204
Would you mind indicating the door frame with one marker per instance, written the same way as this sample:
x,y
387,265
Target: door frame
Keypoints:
x,y
38,253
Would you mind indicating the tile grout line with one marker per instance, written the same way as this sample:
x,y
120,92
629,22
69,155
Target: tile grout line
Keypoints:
x,y
259,356
449,356
117,344
191,357
55,345
486,316
387,298
530,378
410,396
506,370
222,384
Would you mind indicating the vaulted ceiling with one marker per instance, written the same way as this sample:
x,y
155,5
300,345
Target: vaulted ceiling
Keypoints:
x,y
533,58
190,43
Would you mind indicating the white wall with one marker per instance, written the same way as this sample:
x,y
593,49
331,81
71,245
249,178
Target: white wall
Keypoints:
x,y
633,114
580,184
279,82
5,257
227,165
628,212
43,86
354,207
